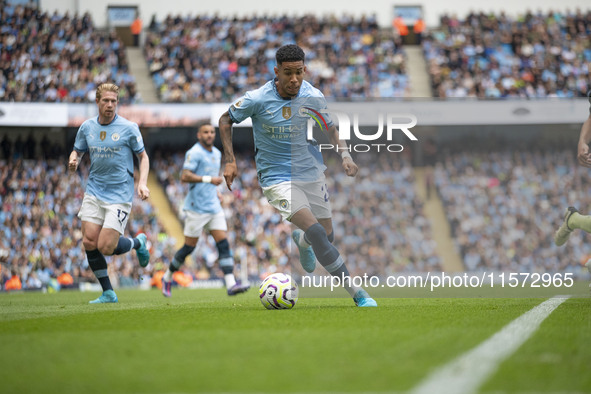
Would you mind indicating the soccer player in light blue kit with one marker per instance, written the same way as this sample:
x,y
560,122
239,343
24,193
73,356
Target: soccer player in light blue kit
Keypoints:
x,y
111,141
573,219
290,170
203,210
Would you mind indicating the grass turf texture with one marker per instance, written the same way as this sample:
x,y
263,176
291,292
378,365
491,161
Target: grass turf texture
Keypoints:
x,y
204,341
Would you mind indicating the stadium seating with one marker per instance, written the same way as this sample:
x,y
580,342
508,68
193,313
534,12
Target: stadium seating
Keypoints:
x,y
212,59
500,56
379,218
58,58
503,208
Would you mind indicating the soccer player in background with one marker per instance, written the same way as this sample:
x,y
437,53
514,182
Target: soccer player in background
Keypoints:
x,y
290,170
203,209
111,141
572,218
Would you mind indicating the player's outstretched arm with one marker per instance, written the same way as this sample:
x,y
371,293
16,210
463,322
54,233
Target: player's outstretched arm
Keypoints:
x,y
142,186
74,160
583,154
349,165
230,169
188,176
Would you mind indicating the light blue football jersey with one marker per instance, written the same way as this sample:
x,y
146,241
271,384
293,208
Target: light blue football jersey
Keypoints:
x,y
203,197
282,151
111,148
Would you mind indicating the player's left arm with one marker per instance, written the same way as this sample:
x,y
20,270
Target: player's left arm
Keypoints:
x,y
349,165
142,186
189,176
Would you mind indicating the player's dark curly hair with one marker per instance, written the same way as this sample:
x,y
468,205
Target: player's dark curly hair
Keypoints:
x,y
289,53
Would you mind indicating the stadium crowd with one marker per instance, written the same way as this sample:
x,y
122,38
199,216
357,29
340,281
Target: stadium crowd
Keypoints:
x,y
379,218
213,59
58,58
499,56
504,207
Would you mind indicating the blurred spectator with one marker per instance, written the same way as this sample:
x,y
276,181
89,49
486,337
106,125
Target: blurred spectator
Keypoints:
x,y
14,283
400,26
65,280
136,30
418,29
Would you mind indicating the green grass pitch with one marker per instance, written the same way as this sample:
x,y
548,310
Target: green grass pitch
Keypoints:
x,y
205,341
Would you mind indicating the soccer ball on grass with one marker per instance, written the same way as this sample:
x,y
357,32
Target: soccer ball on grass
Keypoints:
x,y
278,291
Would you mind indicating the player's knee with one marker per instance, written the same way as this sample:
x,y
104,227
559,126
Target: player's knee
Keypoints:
x,y
223,249
325,252
89,244
106,249
316,234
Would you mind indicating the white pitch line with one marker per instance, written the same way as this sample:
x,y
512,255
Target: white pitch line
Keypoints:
x,y
465,374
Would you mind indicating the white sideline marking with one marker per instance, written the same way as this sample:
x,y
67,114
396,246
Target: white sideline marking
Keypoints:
x,y
465,374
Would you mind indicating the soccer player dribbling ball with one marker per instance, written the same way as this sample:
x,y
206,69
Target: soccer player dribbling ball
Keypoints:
x,y
290,170
572,218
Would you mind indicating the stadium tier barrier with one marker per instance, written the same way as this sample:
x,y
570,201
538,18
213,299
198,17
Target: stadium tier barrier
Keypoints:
x,y
369,113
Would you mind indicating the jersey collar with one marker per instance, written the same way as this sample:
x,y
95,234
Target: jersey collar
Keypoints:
x,y
97,120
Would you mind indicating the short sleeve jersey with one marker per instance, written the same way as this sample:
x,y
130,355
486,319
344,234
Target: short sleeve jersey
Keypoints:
x,y
203,197
111,148
282,151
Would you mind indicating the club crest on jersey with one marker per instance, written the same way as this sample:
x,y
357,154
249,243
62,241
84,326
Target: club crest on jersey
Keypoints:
x,y
103,135
115,137
286,111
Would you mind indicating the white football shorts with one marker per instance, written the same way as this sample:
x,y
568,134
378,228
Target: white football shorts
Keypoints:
x,y
290,197
196,222
106,214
